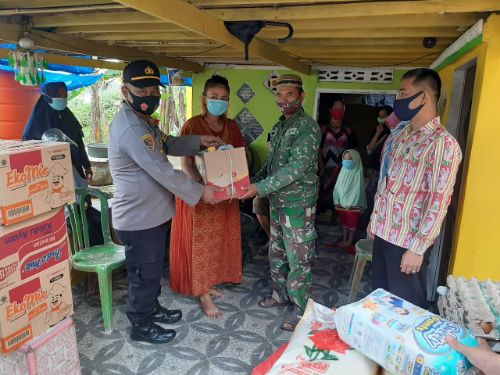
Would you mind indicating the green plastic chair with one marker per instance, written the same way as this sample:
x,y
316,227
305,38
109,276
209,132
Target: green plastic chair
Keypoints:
x,y
101,259
364,250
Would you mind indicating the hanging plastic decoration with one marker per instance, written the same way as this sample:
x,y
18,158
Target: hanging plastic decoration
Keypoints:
x,y
28,65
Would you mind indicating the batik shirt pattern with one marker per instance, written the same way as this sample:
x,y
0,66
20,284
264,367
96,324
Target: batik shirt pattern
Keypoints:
x,y
412,201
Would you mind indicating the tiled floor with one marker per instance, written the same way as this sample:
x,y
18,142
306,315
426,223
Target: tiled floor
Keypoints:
x,y
243,338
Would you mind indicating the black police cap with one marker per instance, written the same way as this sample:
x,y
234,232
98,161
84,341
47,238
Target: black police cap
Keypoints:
x,y
142,73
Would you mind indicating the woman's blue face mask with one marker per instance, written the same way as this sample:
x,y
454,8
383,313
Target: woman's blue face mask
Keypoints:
x,y
59,103
217,107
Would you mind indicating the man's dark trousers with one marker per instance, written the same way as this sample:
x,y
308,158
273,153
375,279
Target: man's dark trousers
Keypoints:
x,y
145,253
386,273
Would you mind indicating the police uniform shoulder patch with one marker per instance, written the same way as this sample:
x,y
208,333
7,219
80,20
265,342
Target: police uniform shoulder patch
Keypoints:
x,y
148,141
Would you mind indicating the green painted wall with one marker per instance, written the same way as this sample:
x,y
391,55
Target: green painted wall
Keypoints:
x,y
263,106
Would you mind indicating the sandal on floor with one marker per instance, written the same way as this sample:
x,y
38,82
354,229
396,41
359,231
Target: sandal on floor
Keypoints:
x,y
289,325
269,301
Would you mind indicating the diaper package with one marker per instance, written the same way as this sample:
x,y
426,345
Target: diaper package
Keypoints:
x,y
401,337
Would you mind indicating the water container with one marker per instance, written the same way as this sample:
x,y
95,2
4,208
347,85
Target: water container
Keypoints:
x,y
16,105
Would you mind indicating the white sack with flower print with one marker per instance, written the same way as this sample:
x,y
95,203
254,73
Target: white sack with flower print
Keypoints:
x,y
316,348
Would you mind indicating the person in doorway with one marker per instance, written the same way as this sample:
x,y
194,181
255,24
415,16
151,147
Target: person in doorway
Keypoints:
x,y
374,151
349,197
336,139
205,245
51,111
413,197
289,178
143,203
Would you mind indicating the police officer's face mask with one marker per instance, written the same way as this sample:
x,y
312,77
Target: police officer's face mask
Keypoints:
x,y
145,105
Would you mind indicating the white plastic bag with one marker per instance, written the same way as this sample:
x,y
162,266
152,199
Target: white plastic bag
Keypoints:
x,y
315,348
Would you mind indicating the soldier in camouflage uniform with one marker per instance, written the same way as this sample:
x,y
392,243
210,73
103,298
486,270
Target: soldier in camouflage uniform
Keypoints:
x,y
290,180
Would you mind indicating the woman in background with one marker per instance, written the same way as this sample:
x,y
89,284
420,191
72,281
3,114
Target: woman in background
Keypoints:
x,y
51,111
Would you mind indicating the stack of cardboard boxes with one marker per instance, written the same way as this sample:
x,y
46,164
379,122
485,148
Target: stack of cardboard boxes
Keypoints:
x,y
36,181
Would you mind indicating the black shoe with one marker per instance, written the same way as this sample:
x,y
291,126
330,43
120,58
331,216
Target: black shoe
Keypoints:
x,y
163,315
150,332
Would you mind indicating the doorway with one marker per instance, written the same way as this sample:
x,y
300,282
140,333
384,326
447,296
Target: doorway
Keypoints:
x,y
458,126
360,121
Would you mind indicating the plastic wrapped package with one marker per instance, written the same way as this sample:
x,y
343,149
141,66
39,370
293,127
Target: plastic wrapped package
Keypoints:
x,y
401,337
316,348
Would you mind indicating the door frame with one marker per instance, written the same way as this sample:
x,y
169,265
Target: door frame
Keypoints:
x,y
453,123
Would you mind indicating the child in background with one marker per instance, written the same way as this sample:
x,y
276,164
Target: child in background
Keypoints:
x,y
349,197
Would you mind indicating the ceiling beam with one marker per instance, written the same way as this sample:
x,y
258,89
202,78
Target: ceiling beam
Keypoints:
x,y
61,9
119,27
415,41
53,41
363,55
192,18
420,21
347,10
143,36
108,18
409,20
203,43
305,51
361,49
400,32
220,3
48,3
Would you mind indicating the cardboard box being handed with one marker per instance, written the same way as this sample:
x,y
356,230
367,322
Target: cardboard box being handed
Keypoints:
x,y
35,177
226,168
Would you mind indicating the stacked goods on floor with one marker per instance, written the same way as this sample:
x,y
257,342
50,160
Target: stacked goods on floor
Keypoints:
x,y
401,337
53,352
316,348
36,181
472,303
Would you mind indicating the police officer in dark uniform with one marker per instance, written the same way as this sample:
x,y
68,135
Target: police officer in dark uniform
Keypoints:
x,y
146,184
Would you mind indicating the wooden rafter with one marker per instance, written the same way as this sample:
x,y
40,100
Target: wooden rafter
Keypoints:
x,y
63,43
191,18
119,28
129,25
220,3
160,36
108,18
68,9
409,20
363,33
384,8
304,43
48,3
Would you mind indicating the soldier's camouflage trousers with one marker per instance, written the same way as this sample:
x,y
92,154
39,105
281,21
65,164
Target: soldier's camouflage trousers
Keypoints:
x,y
293,238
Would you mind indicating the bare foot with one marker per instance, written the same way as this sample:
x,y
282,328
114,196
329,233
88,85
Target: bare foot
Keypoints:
x,y
209,308
216,293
